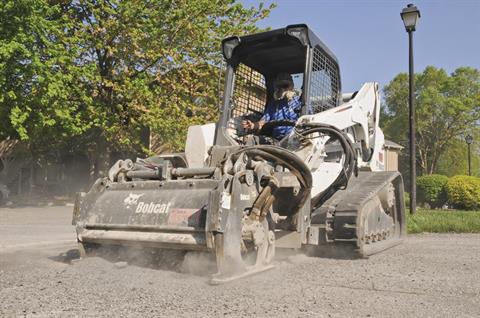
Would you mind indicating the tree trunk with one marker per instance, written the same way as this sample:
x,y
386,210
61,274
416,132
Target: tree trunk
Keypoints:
x,y
99,160
423,161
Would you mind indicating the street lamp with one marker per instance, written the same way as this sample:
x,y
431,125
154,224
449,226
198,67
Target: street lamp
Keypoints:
x,y
410,16
469,141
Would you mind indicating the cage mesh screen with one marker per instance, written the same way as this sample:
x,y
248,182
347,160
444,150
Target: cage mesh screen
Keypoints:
x,y
249,97
324,83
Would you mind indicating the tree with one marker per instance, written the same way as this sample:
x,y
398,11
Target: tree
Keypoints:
x,y
94,76
446,107
40,100
455,159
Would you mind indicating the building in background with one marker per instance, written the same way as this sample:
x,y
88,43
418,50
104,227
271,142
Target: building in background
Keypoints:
x,y
392,150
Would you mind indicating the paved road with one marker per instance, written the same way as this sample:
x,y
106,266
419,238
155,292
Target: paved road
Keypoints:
x,y
33,227
428,276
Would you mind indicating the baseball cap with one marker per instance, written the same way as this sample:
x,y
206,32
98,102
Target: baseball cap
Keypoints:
x,y
283,79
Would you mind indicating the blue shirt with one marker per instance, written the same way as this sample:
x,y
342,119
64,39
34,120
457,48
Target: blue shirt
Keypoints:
x,y
282,110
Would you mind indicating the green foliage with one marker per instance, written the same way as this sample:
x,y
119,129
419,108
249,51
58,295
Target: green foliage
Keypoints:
x,y
432,189
435,221
455,159
447,106
97,75
406,197
464,192
40,97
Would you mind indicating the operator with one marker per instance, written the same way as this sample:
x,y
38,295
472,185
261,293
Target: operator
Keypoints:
x,y
285,106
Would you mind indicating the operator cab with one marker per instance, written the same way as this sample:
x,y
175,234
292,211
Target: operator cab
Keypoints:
x,y
254,61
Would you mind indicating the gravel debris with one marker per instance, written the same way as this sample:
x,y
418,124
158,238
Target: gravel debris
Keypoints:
x,y
429,275
121,264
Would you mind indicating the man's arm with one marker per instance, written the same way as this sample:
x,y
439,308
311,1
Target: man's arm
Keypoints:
x,y
250,125
294,107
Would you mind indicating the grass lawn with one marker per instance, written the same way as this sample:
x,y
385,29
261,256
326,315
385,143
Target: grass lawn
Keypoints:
x,y
443,221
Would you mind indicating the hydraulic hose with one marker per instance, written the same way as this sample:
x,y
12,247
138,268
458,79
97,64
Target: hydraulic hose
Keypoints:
x,y
285,158
349,165
265,199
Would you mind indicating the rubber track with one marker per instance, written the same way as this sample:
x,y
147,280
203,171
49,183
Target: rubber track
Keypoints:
x,y
341,212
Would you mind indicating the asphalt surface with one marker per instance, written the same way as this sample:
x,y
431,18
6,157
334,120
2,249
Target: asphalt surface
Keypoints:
x,y
428,276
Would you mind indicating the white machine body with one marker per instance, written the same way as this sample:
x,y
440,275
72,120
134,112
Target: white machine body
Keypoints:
x,y
358,117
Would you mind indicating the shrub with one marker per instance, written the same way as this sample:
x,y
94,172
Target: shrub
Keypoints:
x,y
406,197
464,192
432,189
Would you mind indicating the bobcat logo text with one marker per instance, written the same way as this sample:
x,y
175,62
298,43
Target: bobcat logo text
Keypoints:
x,y
156,208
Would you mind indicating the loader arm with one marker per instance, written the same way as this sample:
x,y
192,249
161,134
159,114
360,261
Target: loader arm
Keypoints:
x,y
359,117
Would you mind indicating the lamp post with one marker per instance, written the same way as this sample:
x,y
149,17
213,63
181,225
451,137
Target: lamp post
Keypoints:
x,y
469,141
410,16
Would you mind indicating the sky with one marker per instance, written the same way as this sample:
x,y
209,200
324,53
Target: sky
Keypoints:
x,y
370,41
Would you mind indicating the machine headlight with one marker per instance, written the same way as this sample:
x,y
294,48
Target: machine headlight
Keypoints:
x,y
229,45
299,32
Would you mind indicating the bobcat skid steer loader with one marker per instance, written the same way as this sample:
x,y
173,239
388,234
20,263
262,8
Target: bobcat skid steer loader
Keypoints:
x,y
322,187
